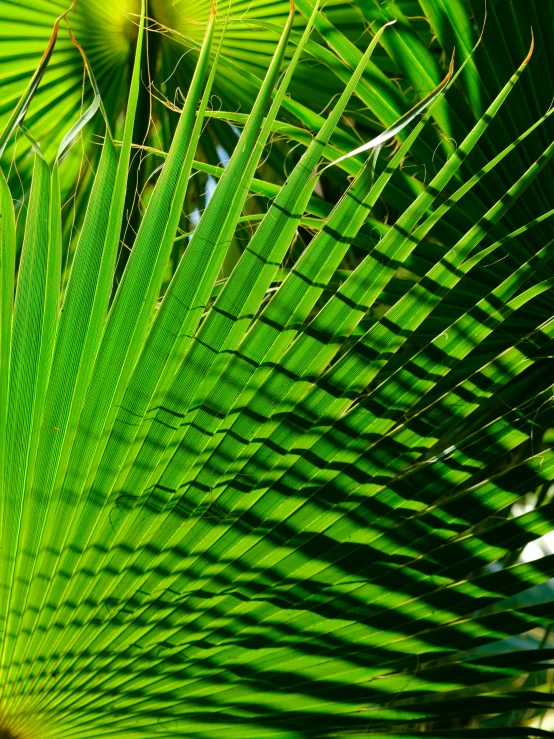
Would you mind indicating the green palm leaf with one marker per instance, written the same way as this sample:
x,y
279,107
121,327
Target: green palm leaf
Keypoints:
x,y
288,483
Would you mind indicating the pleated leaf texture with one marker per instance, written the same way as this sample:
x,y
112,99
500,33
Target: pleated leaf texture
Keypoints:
x,y
296,501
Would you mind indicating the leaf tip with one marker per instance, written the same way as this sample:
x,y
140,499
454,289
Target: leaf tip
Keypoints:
x,y
531,49
451,67
484,24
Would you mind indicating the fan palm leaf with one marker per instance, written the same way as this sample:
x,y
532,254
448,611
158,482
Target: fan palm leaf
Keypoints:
x,y
296,499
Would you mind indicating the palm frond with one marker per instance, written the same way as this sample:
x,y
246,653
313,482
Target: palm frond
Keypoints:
x,y
296,499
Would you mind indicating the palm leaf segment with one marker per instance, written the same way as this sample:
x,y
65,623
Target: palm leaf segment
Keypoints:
x,y
293,504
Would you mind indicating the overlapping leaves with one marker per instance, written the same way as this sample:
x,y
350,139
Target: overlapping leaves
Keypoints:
x,y
283,505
